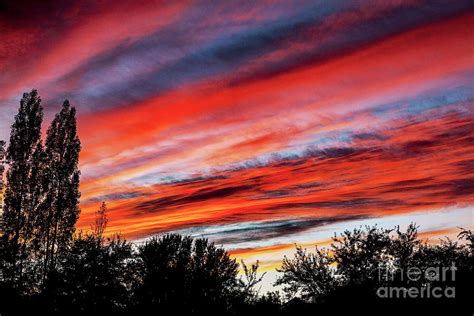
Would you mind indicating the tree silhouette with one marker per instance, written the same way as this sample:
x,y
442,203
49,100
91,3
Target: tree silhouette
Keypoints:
x,y
93,276
62,176
20,192
185,274
250,280
308,275
101,221
360,262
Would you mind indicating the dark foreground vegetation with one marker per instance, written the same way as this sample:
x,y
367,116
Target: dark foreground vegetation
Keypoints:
x,y
48,266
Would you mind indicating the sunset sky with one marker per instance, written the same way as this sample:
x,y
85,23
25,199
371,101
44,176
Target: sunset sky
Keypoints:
x,y
256,124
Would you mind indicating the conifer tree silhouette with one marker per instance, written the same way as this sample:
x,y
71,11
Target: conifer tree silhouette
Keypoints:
x,y
20,193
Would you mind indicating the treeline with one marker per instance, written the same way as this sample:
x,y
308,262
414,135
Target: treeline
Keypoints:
x,y
48,266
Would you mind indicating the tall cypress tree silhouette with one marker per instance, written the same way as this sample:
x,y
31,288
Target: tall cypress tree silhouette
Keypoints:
x,y
62,177
19,195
